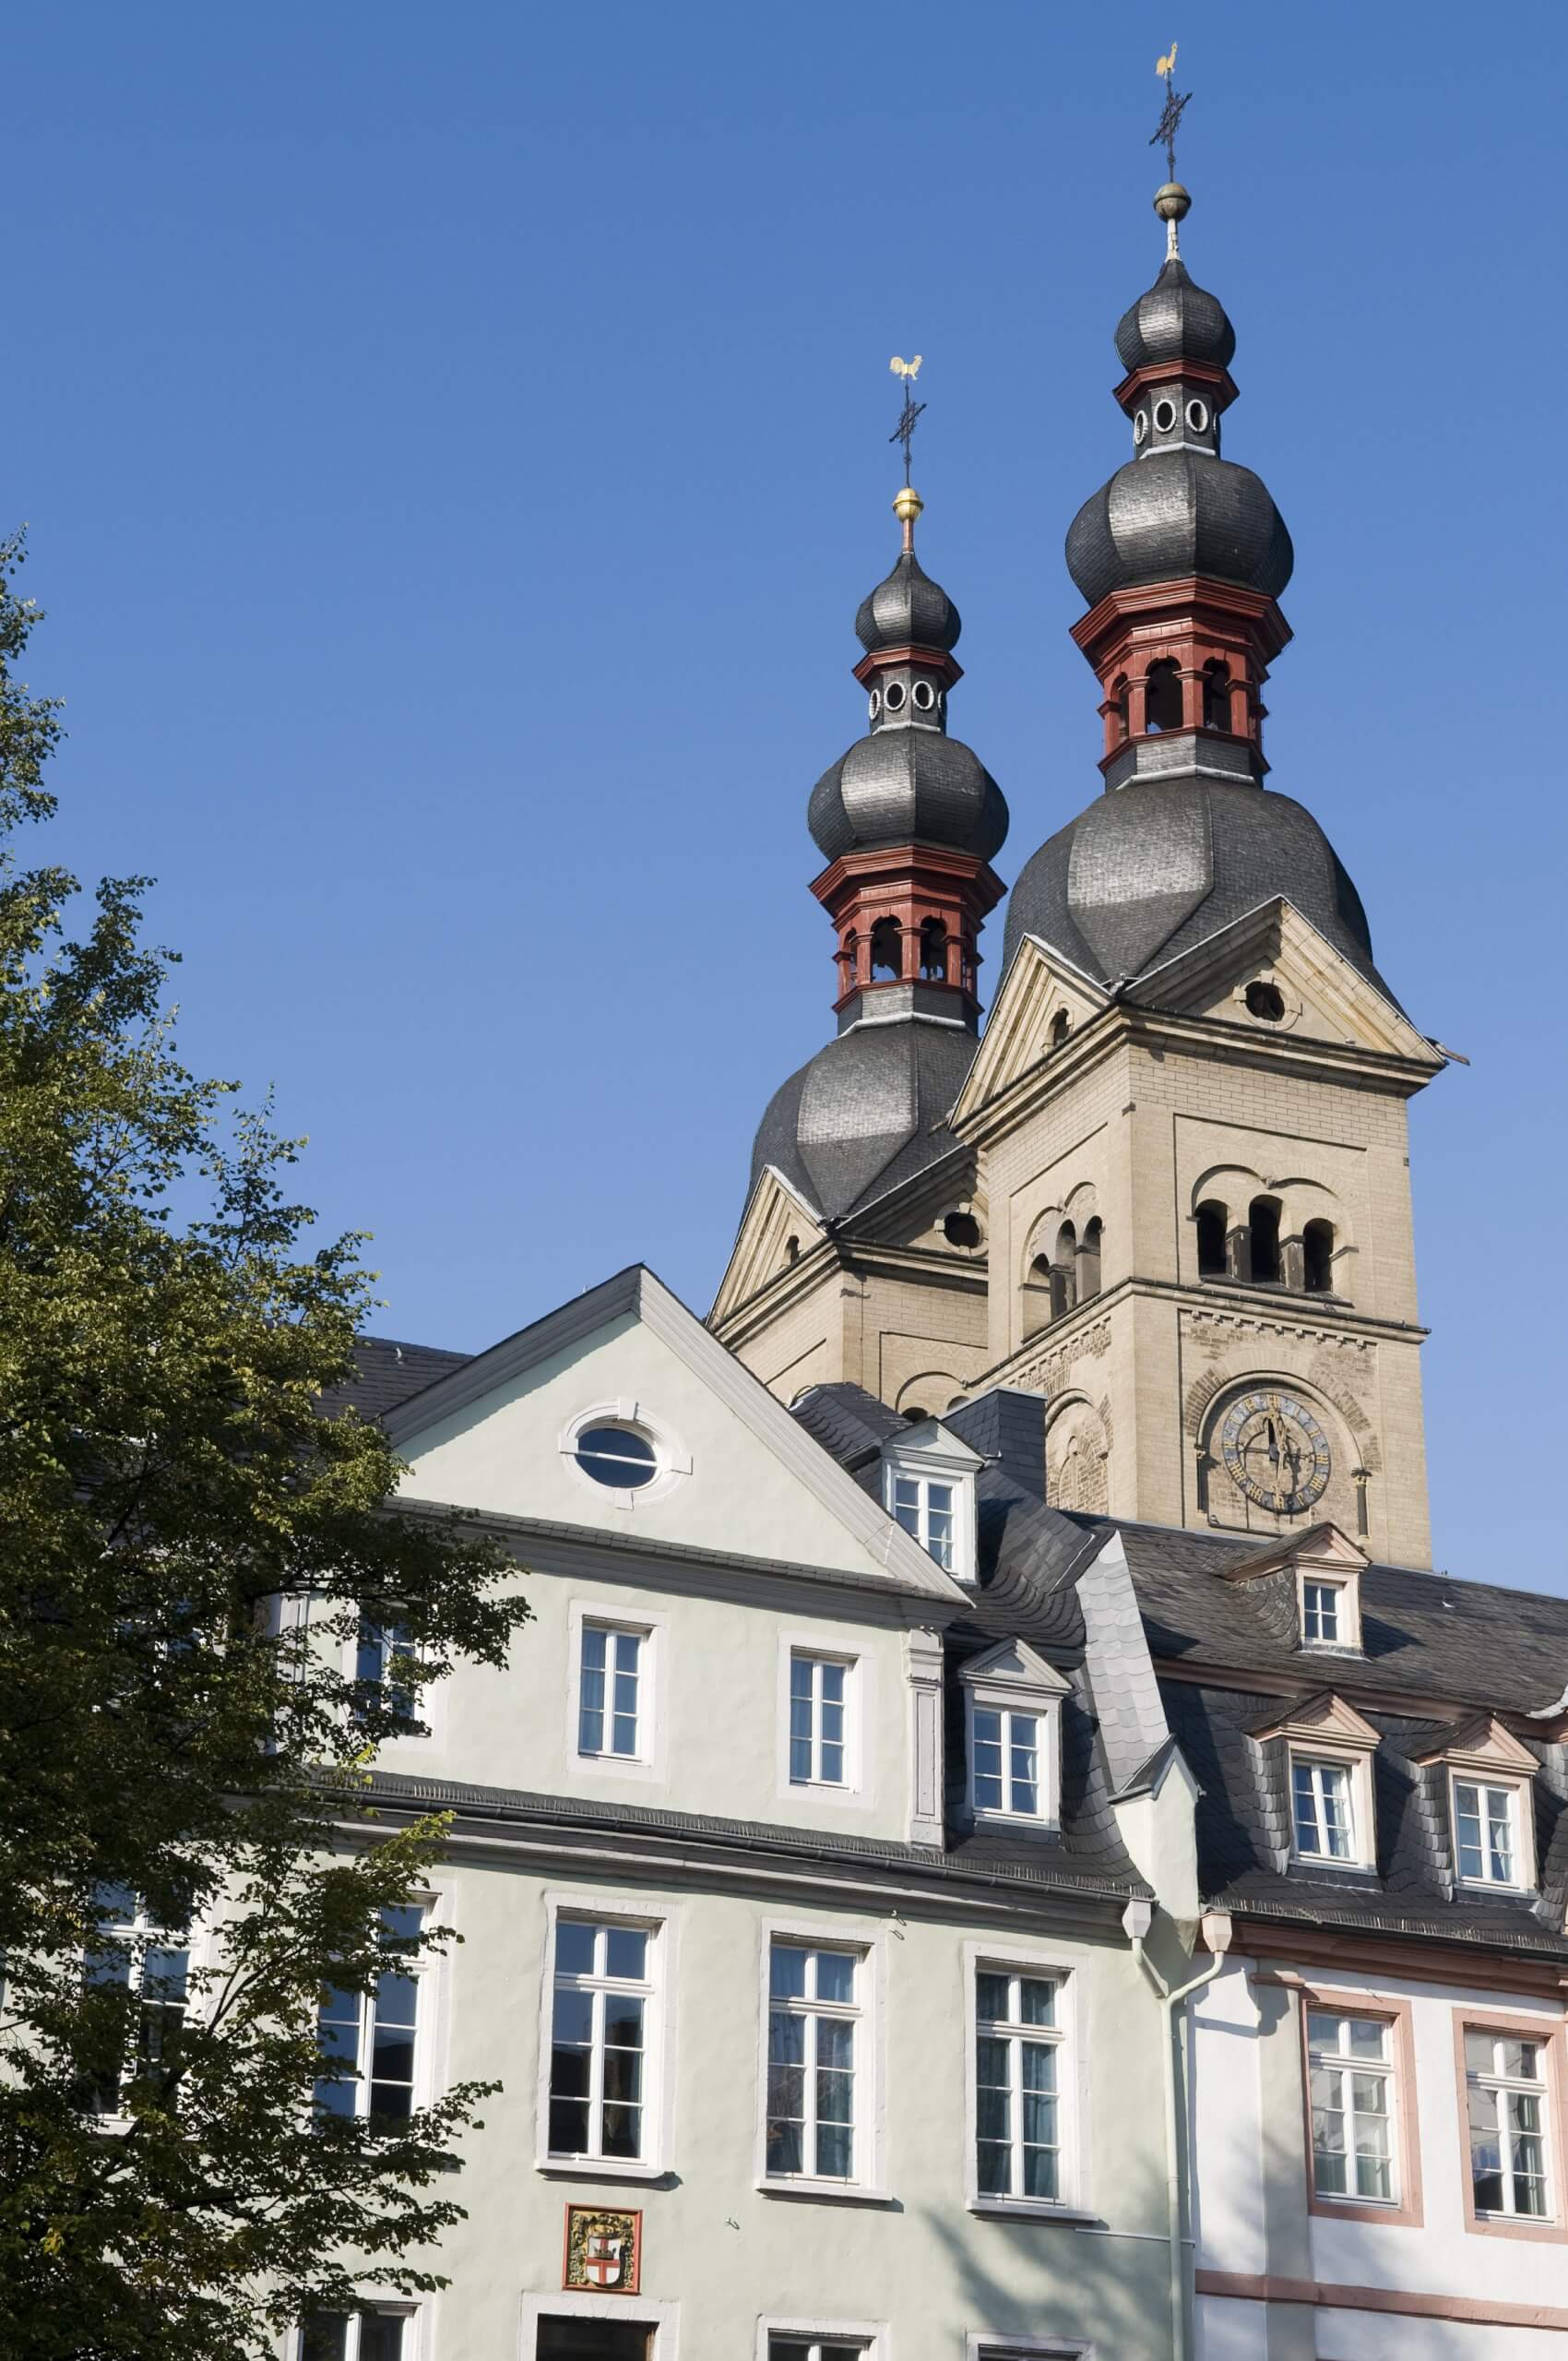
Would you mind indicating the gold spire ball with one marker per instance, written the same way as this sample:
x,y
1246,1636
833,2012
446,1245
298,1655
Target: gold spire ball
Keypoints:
x,y
908,505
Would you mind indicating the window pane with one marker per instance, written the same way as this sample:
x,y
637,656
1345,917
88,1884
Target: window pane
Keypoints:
x,y
1480,2052
572,2017
1039,2172
625,1953
990,1996
1322,2033
832,1684
835,1976
993,2162
574,1946
623,2130
1366,2037
593,2340
786,1971
325,2337
381,2336
834,2152
785,2037
1036,2001
594,1647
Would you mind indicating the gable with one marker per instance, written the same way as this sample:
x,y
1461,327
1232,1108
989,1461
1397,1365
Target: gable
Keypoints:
x,y
1482,1743
743,1478
1037,986
1324,1546
1013,1663
1325,998
1325,1719
775,1213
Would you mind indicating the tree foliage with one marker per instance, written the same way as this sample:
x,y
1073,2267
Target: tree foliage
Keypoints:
x,y
188,1548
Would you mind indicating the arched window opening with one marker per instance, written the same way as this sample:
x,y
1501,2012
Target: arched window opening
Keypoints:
x,y
792,1249
851,957
1263,1224
915,1416
1317,1257
1064,1272
886,949
1217,696
933,951
1213,1222
1061,1026
1164,708
1120,696
1088,1259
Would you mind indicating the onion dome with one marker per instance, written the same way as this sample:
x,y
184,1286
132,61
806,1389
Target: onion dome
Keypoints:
x,y
1161,864
1176,320
908,610
1176,512
864,1115
908,785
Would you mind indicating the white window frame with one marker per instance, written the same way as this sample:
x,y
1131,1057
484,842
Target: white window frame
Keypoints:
x,y
1520,1830
1357,1768
937,1464
865,1940
1074,2201
981,2345
423,1967
872,2335
136,1933
1012,1678
658,1919
428,1735
1346,1582
411,2314
833,1646
1337,1592
1507,2087
1007,1709
649,1761
1346,2064
662,2319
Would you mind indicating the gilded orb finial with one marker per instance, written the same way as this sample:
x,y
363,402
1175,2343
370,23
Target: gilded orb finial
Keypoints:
x,y
906,508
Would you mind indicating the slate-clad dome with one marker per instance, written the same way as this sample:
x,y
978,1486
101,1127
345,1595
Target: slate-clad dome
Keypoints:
x,y
1179,512
1160,865
865,1113
908,610
1176,320
903,786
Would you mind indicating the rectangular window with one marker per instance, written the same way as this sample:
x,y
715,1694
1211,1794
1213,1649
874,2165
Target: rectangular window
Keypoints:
x,y
926,1510
1320,1614
1351,2073
353,2336
1505,2086
1006,1761
1324,1823
812,2020
370,2040
1017,2115
819,1704
1483,1818
129,1954
380,1645
610,1692
817,2348
592,2339
601,2006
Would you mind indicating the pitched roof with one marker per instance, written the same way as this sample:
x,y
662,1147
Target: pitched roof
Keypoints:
x,y
388,1373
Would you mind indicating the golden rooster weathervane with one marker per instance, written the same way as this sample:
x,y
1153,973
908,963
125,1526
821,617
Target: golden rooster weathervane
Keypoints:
x,y
1171,113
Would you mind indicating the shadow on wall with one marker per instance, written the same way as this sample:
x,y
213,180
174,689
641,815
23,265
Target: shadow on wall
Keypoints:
x,y
1017,2279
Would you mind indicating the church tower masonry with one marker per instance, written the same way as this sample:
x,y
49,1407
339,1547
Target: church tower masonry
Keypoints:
x,y
1180,1150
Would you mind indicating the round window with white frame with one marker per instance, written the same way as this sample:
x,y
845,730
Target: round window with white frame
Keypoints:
x,y
1140,426
1164,417
1197,416
924,696
894,696
875,703
618,1452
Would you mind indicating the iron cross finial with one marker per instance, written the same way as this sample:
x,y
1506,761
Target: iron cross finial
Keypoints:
x,y
904,432
1171,113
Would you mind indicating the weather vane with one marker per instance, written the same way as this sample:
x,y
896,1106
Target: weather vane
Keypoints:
x,y
904,432
1171,113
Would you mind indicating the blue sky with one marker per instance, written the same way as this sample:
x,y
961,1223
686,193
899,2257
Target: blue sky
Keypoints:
x,y
454,445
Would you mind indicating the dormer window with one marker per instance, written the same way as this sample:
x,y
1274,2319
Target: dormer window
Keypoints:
x,y
928,1486
1323,1566
1326,1749
1013,1715
1491,1780
1322,1623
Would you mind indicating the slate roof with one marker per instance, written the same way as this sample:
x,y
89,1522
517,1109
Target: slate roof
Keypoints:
x,y
389,1373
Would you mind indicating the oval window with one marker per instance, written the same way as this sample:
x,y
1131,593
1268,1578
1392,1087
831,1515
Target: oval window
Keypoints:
x,y
1197,416
923,694
1164,417
1265,1000
617,1456
895,696
875,703
1140,426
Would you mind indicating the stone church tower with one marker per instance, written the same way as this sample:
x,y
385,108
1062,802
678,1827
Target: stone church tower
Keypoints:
x,y
1169,1189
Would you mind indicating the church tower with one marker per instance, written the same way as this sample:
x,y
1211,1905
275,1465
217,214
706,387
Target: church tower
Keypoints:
x,y
860,1255
1182,1139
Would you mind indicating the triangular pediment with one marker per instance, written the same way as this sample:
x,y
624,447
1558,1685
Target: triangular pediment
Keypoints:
x,y
775,1213
1038,989
933,1444
1324,996
1322,1545
1327,1719
1013,1663
1482,1744
738,1478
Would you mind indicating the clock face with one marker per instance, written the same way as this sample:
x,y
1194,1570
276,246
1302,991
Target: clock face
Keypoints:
x,y
1275,1451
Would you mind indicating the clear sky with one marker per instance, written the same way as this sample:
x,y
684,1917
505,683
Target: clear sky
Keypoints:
x,y
455,443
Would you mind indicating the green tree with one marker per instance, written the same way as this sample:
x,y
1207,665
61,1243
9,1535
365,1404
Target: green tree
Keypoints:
x,y
189,1549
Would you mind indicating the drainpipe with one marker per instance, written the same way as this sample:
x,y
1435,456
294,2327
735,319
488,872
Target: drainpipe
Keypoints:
x,y
1137,1919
